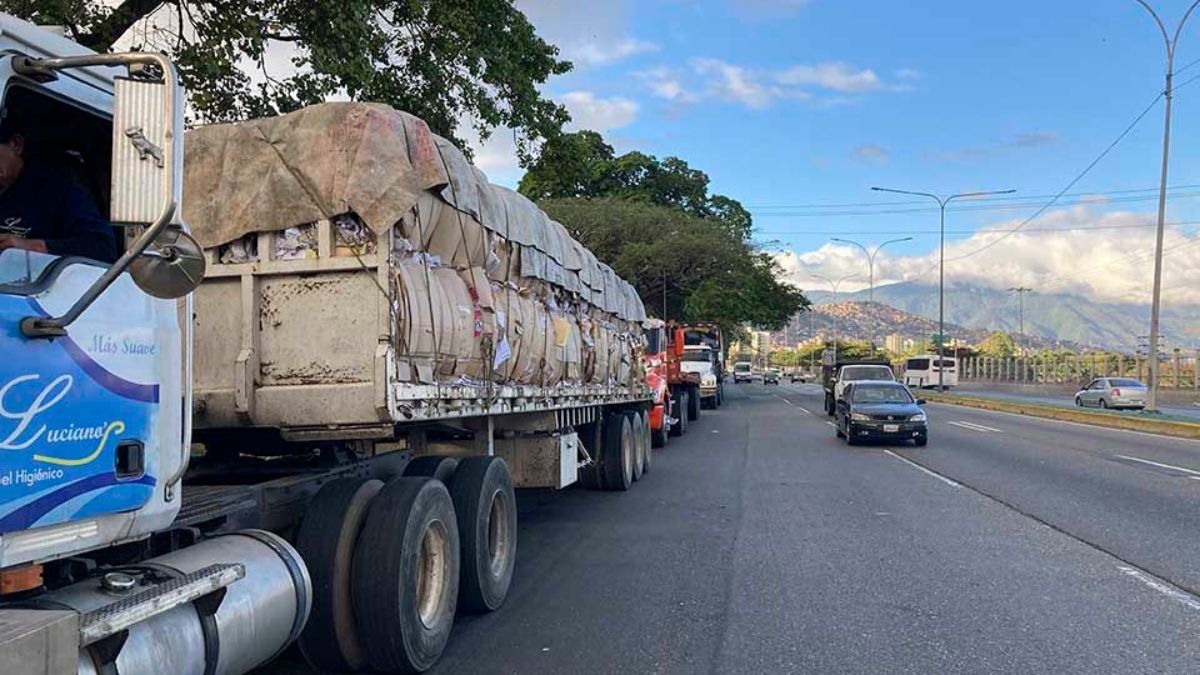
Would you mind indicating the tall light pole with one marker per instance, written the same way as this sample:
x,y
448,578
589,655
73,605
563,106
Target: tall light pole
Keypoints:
x,y
1021,291
942,202
871,259
1171,42
833,285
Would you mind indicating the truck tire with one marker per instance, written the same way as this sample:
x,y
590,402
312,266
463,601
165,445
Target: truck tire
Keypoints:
x,y
405,575
659,437
648,456
486,507
591,477
679,414
618,453
433,466
639,444
325,539
693,407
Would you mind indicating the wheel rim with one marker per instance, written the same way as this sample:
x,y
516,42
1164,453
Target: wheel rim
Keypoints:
x,y
499,535
627,452
432,561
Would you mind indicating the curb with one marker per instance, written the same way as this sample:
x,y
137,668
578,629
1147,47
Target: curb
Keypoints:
x,y
1112,421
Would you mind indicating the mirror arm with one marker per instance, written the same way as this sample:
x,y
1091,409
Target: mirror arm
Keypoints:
x,y
52,327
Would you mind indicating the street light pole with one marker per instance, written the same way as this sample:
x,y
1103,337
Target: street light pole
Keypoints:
x,y
833,285
1021,291
1156,294
871,259
942,202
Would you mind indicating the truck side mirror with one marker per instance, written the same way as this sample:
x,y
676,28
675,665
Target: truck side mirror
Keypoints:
x,y
147,166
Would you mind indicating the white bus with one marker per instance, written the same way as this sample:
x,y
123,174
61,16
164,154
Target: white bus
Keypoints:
x,y
922,371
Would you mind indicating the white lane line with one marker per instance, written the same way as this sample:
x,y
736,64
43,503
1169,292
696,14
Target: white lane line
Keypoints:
x,y
806,410
784,400
831,424
1162,587
1191,472
922,469
1050,421
975,427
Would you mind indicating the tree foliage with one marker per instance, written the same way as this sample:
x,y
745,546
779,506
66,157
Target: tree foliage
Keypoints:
x,y
582,164
998,344
442,60
708,273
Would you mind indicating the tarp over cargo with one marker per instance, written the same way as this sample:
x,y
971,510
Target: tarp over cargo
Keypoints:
x,y
316,163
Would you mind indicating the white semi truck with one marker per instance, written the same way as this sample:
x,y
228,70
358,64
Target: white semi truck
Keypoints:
x,y
349,483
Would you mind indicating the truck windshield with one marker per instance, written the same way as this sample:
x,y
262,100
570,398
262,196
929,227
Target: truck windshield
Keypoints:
x,y
867,373
21,270
696,356
742,367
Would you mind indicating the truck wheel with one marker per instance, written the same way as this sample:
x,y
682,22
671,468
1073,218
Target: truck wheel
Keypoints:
x,y
639,447
618,453
433,466
693,407
648,454
325,540
486,507
405,575
658,438
591,477
679,413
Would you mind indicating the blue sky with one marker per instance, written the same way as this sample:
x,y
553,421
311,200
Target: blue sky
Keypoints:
x,y
791,103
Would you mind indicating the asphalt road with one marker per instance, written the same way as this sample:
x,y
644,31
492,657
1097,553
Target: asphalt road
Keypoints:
x,y
1065,399
760,543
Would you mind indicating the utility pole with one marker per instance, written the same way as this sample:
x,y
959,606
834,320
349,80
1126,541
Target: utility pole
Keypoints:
x,y
833,285
1156,294
1021,291
871,259
942,202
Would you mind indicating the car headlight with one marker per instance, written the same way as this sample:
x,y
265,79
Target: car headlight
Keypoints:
x,y
919,417
860,417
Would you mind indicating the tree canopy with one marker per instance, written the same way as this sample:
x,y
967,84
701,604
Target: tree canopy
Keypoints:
x,y
445,61
703,270
582,164
999,344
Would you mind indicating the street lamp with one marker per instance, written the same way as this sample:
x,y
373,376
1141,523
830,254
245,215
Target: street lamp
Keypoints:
x,y
833,285
1171,42
871,259
942,202
1021,291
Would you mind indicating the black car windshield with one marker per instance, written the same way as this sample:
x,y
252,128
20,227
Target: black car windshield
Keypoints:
x,y
880,393
876,373
1125,382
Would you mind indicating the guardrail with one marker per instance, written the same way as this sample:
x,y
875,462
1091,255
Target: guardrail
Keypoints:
x,y
1176,372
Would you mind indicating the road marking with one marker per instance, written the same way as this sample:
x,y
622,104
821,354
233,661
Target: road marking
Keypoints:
x,y
806,410
922,469
1048,421
784,400
975,427
831,424
1162,587
1192,473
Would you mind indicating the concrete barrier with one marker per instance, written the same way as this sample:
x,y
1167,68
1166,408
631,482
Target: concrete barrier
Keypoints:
x,y
1112,420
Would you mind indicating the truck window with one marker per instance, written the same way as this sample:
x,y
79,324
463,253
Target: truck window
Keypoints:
x,y
69,140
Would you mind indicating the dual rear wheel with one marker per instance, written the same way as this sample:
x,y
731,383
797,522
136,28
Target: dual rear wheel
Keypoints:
x,y
393,563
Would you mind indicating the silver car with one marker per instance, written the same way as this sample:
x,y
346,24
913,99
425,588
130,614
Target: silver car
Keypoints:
x,y
1113,392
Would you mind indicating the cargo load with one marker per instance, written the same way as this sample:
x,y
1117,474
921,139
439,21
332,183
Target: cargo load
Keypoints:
x,y
363,271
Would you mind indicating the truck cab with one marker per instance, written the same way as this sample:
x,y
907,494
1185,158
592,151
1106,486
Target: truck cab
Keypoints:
x,y
742,372
701,360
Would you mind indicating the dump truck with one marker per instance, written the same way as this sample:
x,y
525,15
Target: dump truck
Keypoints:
x,y
707,337
296,408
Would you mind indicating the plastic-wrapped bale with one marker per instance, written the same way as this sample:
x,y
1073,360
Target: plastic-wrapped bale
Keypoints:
x,y
440,324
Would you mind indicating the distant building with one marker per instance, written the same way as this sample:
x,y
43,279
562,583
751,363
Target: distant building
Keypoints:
x,y
761,342
894,343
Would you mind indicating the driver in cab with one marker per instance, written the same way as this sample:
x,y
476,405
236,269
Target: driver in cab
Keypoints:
x,y
42,210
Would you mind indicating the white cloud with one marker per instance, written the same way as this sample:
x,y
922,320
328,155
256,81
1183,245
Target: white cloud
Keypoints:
x,y
598,114
835,75
1110,262
871,153
733,83
822,84
587,34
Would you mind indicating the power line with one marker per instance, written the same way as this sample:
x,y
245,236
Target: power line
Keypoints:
x,y
1001,198
959,209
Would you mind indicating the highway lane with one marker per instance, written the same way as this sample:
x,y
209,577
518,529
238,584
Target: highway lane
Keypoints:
x,y
760,543
1065,398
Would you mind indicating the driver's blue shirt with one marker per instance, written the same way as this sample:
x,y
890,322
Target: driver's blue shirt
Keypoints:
x,y
44,204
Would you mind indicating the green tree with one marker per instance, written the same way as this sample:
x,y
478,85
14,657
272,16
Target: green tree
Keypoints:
x,y
998,344
708,273
442,60
581,164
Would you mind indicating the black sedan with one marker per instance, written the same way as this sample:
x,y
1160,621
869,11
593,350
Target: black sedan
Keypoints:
x,y
880,411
